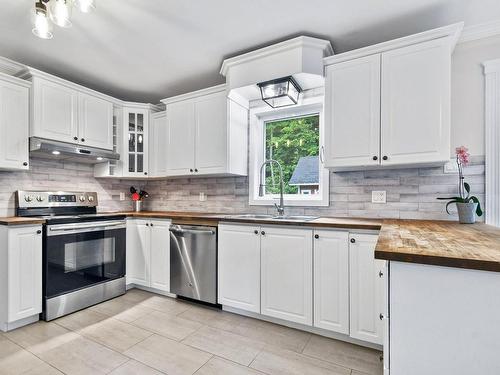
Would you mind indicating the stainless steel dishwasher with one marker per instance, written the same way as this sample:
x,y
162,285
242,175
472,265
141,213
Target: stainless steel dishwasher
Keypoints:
x,y
193,262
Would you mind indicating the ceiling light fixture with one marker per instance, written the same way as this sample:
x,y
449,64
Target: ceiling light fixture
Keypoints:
x,y
281,92
55,152
59,12
42,28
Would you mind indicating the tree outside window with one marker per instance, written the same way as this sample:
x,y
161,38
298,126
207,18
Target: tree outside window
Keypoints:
x,y
294,143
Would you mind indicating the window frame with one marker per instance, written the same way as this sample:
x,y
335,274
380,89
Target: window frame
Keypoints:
x,y
258,117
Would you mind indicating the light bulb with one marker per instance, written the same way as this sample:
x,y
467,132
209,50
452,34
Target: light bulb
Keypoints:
x,y
60,12
86,6
41,25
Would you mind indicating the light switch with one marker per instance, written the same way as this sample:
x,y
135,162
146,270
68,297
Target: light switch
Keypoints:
x,y
379,196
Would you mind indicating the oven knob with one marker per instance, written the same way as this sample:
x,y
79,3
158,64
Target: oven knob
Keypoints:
x,y
91,199
28,198
82,198
39,198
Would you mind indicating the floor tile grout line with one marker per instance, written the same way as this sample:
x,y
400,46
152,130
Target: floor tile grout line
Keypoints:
x,y
307,343
199,368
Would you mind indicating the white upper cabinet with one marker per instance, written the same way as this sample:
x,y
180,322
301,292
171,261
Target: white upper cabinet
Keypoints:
x,y
286,274
206,135
14,123
415,116
353,113
366,289
389,104
95,125
135,154
180,139
239,266
331,280
54,111
67,112
157,145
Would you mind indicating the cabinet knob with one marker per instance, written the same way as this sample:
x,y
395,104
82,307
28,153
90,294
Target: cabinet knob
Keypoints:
x,y
381,316
375,157
380,274
83,139
196,170
25,163
38,231
353,240
151,224
147,224
263,233
385,157
191,170
316,236
145,173
256,231
75,138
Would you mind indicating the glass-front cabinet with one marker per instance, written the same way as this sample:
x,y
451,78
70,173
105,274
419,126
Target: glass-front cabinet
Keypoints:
x,y
136,123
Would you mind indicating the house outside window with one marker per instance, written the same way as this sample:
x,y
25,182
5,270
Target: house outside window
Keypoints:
x,y
293,137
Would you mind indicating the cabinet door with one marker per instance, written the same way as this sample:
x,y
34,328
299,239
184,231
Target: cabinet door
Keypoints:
x,y
157,148
239,266
95,125
14,126
211,134
160,254
415,116
54,112
180,139
286,279
331,280
352,113
138,252
25,272
367,289
136,122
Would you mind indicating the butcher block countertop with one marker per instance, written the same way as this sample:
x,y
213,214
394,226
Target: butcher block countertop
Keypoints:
x,y
440,243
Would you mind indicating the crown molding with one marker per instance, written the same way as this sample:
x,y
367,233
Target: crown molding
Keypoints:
x,y
451,31
195,94
10,67
491,66
480,31
17,81
301,41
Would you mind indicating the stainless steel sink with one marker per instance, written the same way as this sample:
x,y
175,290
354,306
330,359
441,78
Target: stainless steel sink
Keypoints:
x,y
273,217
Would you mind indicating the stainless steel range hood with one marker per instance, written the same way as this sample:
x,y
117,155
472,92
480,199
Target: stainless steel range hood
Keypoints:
x,y
47,149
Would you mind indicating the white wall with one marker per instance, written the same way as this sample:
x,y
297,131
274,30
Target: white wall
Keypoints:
x,y
467,92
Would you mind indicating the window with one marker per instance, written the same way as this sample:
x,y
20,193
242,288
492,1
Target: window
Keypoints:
x,y
291,136
294,143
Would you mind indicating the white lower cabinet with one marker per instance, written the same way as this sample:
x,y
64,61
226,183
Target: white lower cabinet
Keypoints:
x,y
331,280
20,275
286,274
366,289
148,253
239,266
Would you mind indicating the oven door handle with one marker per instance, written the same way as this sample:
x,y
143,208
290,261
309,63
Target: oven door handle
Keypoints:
x,y
72,228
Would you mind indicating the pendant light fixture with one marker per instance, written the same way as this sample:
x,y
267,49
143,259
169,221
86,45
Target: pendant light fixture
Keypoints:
x,y
281,92
57,11
42,28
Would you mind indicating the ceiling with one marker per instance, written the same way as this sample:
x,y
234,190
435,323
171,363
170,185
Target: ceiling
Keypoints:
x,y
148,50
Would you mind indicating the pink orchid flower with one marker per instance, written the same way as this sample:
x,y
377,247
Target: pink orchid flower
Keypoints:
x,y
463,155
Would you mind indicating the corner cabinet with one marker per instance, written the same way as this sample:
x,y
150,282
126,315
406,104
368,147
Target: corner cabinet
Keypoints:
x,y
206,134
66,112
14,123
390,107
148,253
21,275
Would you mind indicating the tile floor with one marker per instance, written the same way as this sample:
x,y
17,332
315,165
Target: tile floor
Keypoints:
x,y
143,333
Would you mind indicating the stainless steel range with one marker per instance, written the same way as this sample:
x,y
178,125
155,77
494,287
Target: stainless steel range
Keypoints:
x,y
83,251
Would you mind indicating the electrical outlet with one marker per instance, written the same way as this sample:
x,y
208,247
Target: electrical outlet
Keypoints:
x,y
203,197
122,196
451,167
379,196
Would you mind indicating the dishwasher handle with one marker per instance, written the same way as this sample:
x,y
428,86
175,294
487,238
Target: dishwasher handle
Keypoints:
x,y
191,231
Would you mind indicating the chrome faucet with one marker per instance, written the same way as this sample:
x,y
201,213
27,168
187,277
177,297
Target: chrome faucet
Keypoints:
x,y
281,206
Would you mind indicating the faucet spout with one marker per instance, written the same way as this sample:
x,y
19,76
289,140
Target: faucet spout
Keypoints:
x,y
281,207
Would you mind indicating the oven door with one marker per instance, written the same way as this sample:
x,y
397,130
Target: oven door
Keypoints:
x,y
79,255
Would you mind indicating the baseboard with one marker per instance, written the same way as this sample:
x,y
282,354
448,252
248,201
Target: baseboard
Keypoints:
x,y
6,327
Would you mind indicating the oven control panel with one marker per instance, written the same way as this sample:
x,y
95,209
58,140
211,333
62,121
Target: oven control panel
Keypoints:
x,y
42,199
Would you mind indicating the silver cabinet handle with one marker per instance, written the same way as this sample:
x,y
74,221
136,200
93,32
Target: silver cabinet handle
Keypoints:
x,y
321,154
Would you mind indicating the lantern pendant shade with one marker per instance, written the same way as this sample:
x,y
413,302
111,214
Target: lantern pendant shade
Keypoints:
x,y
281,92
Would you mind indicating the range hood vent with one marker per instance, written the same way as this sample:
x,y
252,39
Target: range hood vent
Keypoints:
x,y
55,150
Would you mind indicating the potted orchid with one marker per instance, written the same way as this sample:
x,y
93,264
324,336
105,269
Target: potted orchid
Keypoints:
x,y
468,206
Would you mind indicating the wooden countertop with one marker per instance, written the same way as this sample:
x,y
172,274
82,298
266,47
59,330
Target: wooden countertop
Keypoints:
x,y
440,243
14,220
